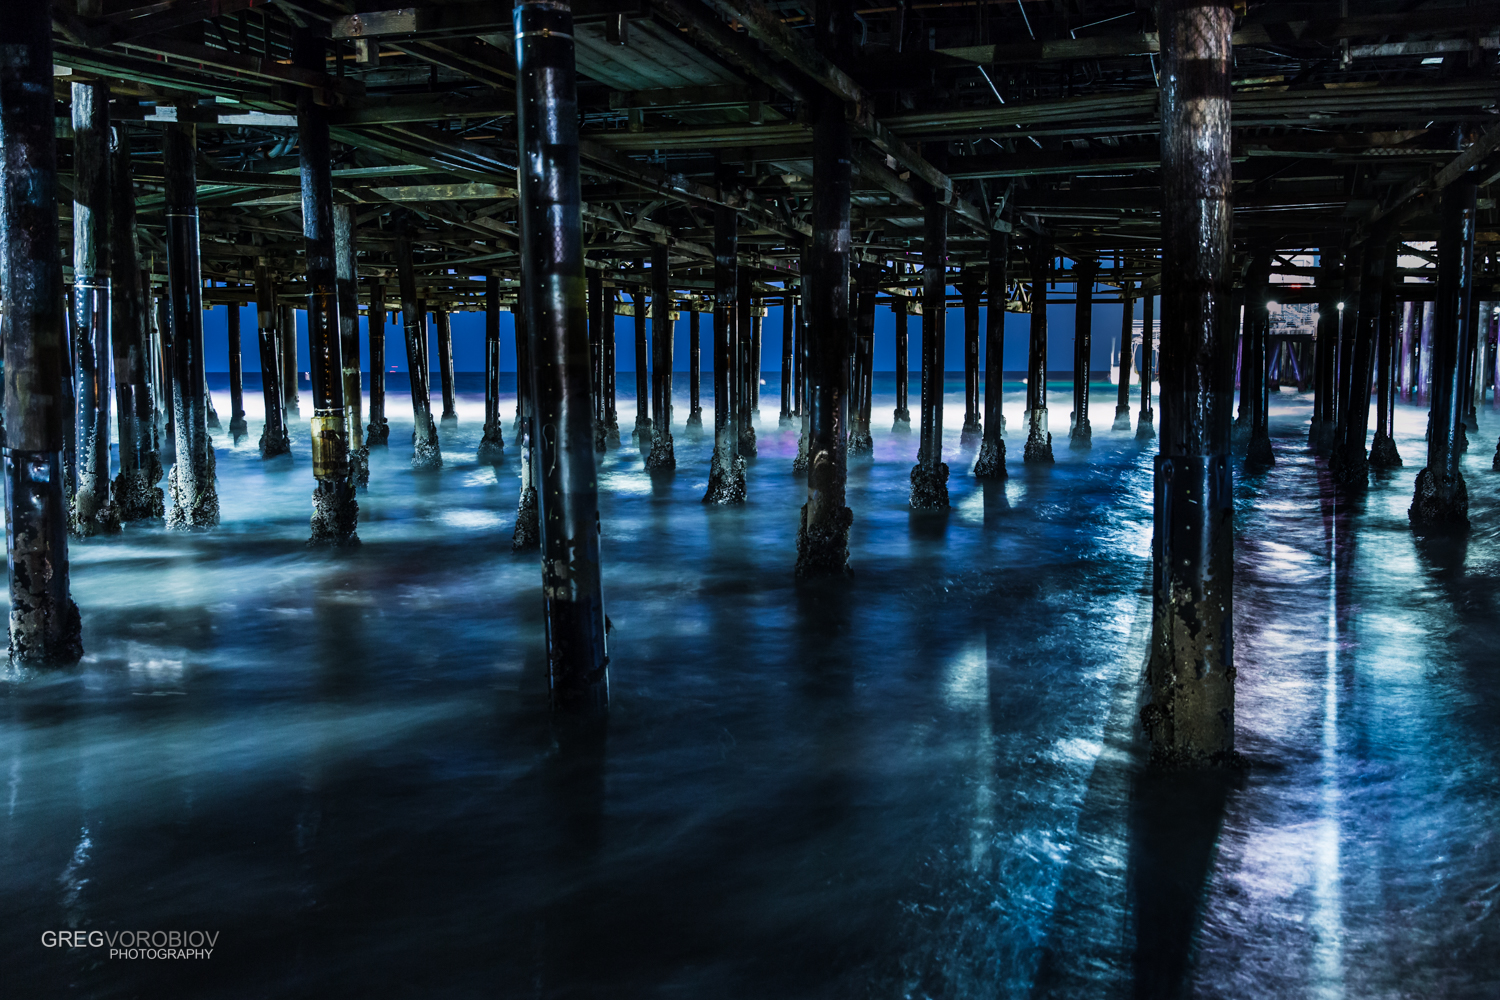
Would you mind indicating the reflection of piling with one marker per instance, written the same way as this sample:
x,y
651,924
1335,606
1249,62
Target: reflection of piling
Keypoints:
x,y
44,623
991,461
195,498
1442,497
93,510
552,287
1190,717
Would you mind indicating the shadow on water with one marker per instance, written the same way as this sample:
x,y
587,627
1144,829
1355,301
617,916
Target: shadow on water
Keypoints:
x,y
996,502
1175,819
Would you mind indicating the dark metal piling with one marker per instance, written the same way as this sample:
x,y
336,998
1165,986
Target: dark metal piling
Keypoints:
x,y
552,287
1081,437
426,452
661,456
92,510
1127,357
929,477
823,536
1190,672
1038,438
347,285
135,492
991,461
195,497
44,622
726,474
1441,500
273,437
492,441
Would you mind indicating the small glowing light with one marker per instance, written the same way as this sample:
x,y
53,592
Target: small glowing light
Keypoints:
x,y
1273,305
1341,307
1433,61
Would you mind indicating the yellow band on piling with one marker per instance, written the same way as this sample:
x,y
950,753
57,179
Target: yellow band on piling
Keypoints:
x,y
330,445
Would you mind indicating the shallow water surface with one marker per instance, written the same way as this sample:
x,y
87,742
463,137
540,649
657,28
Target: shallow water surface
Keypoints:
x,y
925,782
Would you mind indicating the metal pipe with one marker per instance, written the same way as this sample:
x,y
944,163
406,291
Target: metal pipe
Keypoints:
x,y
1144,429
1383,453
611,410
695,370
1081,437
1257,378
823,537
1441,500
195,497
1127,356
44,622
378,434
991,461
595,282
788,317
1190,717
93,510
726,474
929,477
135,492
426,452
444,321
346,283
273,438
662,456
1320,433
552,288
335,511
972,428
1038,438
492,441
866,285
1350,462
642,433
744,338
902,310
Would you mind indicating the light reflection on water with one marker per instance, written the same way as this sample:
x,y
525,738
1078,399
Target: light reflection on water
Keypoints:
x,y
925,782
